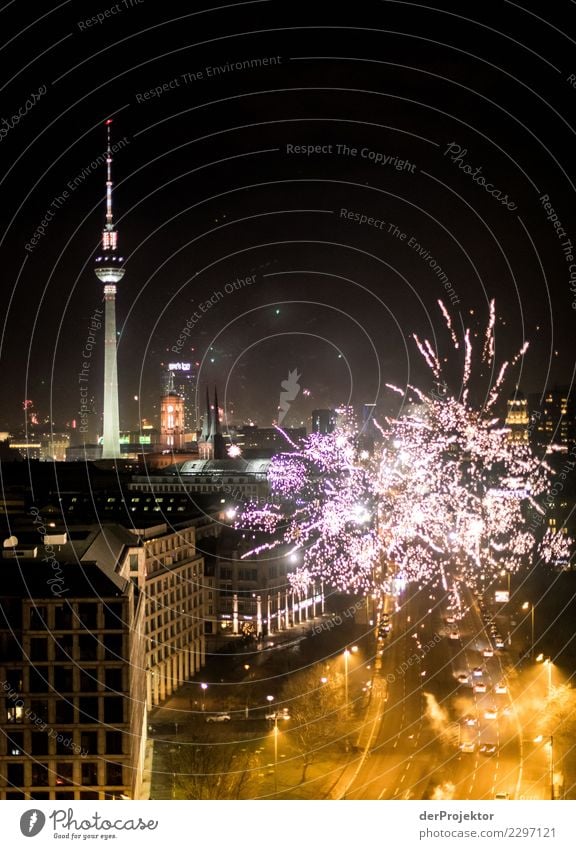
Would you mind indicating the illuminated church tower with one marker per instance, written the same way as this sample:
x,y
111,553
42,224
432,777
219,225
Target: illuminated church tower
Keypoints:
x,y
109,270
172,419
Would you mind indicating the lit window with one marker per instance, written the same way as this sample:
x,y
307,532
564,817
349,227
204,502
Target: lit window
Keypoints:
x,y
14,713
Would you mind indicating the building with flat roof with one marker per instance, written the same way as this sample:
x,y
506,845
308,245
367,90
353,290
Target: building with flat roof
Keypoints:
x,y
235,479
72,672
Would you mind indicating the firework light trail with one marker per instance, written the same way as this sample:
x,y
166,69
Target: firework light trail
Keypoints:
x,y
445,498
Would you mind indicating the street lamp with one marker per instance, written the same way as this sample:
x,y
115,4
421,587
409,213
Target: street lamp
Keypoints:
x,y
203,687
529,605
539,739
347,653
270,699
548,664
276,753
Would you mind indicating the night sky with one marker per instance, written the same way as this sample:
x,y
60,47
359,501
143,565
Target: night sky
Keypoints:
x,y
211,187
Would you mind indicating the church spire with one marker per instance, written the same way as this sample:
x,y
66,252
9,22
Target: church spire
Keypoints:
x,y
216,413
207,424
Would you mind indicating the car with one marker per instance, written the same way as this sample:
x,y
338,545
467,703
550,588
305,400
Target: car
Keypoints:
x,y
488,749
281,714
469,720
477,672
502,796
499,643
488,653
450,620
491,713
463,678
501,688
219,717
468,746
454,635
507,711
480,687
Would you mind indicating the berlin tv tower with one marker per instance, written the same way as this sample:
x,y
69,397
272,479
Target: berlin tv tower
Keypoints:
x,y
109,270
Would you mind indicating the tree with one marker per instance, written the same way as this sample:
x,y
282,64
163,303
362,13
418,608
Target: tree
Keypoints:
x,y
316,709
206,768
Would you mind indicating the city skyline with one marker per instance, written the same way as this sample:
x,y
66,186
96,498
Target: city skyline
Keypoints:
x,y
288,421
192,242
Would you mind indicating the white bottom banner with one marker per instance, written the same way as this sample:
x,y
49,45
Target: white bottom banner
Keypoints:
x,y
286,825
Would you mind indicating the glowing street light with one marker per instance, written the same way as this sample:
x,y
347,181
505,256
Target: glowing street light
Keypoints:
x,y
347,653
270,699
203,687
529,605
548,663
539,739
346,656
276,753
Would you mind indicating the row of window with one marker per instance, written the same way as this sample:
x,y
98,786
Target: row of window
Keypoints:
x,y
185,610
62,773
172,633
171,542
179,578
244,488
82,710
81,616
63,679
74,647
190,593
155,658
23,743
159,651
18,795
155,509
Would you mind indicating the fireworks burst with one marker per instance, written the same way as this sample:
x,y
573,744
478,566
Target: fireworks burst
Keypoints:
x,y
446,500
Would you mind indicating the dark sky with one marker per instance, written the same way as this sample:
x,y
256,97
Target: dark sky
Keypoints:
x,y
208,192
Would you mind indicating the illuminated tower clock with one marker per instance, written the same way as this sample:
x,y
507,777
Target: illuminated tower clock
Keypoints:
x,y
172,421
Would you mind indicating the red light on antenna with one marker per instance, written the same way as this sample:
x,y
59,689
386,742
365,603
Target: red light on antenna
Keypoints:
x,y
109,121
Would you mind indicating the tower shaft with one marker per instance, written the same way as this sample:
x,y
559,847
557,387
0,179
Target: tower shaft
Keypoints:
x,y
111,438
109,270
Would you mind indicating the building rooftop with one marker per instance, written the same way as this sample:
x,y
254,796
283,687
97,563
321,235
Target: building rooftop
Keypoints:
x,y
229,466
29,579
